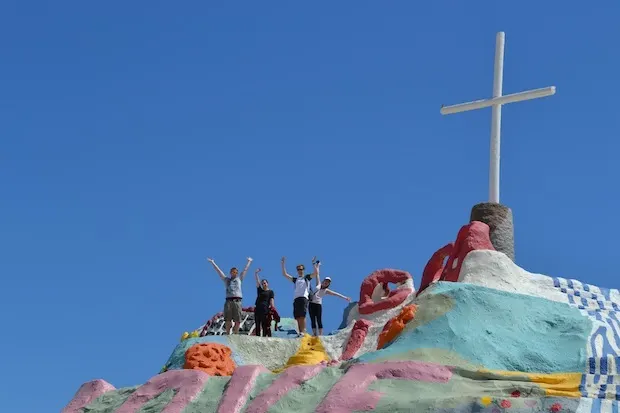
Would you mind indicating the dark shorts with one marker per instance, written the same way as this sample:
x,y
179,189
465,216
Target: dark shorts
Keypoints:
x,y
300,307
232,310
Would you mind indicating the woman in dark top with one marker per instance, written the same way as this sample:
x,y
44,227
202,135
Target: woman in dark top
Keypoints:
x,y
264,304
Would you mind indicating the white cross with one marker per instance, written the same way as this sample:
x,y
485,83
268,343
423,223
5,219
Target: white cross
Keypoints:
x,y
496,103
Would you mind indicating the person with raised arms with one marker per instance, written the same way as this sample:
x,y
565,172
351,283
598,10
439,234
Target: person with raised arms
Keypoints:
x,y
263,306
316,303
302,289
234,295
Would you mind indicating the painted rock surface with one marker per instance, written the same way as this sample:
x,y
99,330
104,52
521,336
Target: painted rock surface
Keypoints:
x,y
483,335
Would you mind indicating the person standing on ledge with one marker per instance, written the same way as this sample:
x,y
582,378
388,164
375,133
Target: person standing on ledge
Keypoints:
x,y
234,295
316,303
263,306
302,289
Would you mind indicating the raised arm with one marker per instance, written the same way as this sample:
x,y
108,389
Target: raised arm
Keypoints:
x,y
257,277
335,294
247,267
217,269
284,273
315,273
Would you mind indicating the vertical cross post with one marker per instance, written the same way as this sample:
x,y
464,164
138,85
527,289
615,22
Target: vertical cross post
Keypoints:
x,y
497,216
496,102
496,118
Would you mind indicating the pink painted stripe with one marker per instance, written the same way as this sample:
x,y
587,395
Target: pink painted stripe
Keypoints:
x,y
239,387
350,393
188,383
291,378
87,393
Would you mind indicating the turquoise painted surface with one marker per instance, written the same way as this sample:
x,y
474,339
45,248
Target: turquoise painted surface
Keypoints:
x,y
287,328
498,330
177,358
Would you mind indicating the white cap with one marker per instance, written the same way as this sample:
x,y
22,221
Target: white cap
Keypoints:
x,y
327,278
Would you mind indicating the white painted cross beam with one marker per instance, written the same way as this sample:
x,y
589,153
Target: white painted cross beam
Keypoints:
x,y
496,103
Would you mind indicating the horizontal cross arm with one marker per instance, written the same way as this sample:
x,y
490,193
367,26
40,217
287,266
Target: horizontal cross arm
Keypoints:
x,y
501,100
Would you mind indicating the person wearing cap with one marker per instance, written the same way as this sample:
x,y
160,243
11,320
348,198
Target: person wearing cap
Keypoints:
x,y
316,303
301,292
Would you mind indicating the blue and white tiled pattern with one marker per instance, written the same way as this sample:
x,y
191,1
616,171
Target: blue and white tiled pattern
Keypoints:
x,y
602,371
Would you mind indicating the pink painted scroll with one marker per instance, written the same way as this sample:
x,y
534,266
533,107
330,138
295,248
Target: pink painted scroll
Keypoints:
x,y
188,383
291,378
351,393
239,388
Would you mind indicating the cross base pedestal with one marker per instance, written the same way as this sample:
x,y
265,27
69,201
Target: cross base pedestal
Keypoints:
x,y
499,219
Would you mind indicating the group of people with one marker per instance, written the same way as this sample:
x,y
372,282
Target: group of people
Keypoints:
x,y
305,298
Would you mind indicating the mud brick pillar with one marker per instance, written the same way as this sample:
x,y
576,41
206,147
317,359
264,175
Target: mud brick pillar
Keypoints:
x,y
499,219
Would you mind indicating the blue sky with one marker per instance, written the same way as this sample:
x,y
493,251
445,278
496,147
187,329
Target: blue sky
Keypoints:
x,y
138,138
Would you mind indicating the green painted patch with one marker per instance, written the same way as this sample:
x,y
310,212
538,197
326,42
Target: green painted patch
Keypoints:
x,y
429,355
209,398
460,392
158,403
110,401
305,398
263,381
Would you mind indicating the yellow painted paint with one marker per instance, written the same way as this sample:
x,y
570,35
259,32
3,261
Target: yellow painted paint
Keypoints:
x,y
486,400
310,352
555,384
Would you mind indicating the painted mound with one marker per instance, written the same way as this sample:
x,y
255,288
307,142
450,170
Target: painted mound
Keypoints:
x,y
482,335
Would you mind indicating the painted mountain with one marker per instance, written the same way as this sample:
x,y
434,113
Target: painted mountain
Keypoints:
x,y
480,335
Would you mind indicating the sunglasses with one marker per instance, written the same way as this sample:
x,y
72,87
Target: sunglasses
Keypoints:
x,y
300,268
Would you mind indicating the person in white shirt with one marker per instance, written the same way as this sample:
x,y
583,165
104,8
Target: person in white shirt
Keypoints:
x,y
302,291
316,303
